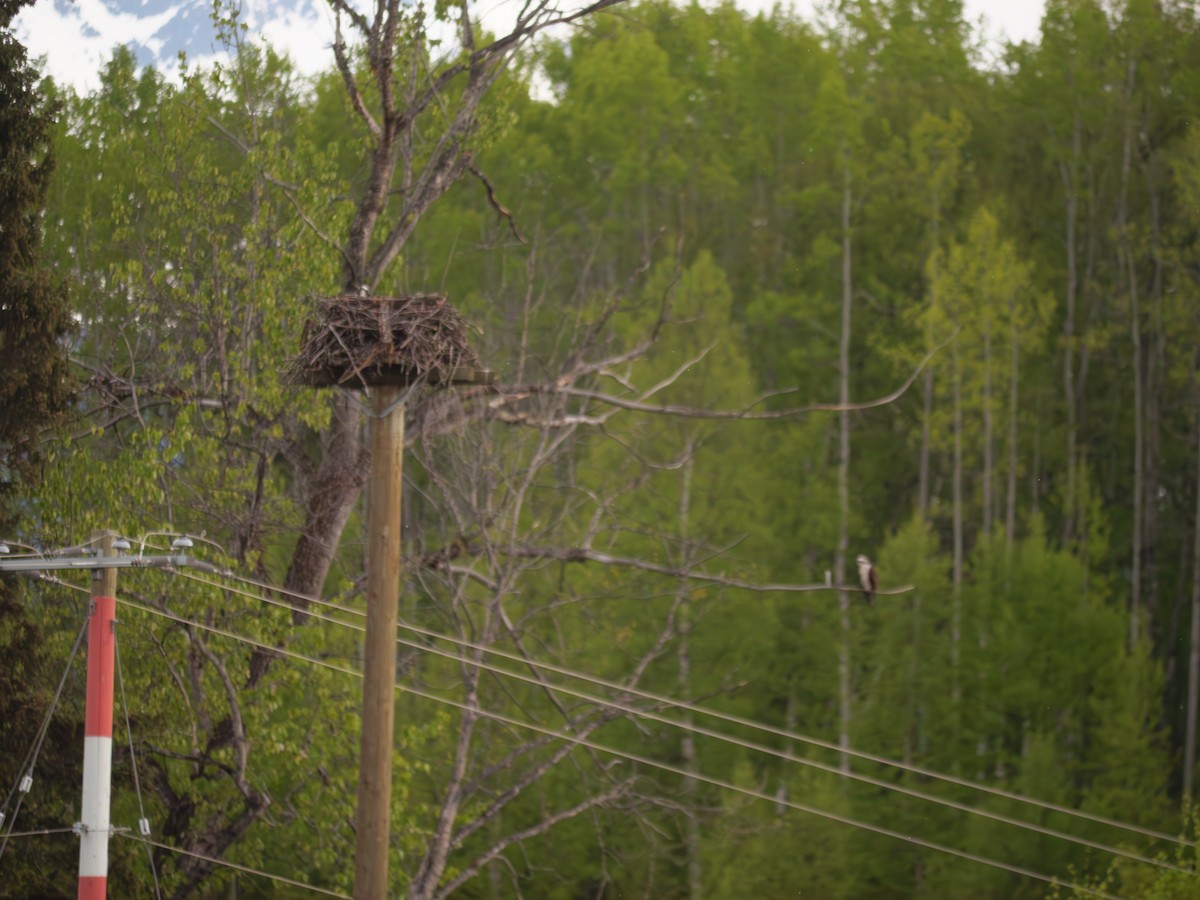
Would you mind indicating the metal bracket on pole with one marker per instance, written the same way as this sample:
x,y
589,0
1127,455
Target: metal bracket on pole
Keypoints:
x,y
32,564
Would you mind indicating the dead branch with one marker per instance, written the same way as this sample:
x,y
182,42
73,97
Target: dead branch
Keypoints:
x,y
289,193
357,18
506,403
473,868
344,68
500,209
586,554
433,863
531,776
241,743
563,386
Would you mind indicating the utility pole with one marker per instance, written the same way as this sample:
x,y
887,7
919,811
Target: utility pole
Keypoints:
x,y
373,822
386,345
94,826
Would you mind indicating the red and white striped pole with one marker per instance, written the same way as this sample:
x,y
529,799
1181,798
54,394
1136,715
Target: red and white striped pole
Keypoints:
x,y
97,741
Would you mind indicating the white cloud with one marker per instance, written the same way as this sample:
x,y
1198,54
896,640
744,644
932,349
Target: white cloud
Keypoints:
x,y
45,31
305,32
1016,20
76,38
119,27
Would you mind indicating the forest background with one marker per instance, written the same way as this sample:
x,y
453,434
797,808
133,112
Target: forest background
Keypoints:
x,y
760,297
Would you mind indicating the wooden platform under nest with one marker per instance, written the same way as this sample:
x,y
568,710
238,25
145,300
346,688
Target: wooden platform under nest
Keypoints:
x,y
357,341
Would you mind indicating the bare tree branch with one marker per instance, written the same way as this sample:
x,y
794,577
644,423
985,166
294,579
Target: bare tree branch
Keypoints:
x,y
530,776
347,73
472,868
585,554
359,20
501,210
563,385
433,864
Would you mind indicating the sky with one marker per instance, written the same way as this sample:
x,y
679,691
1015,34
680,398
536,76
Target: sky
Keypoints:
x,y
76,36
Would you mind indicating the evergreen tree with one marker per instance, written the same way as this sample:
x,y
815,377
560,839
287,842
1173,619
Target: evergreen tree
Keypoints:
x,y
33,395
33,304
763,152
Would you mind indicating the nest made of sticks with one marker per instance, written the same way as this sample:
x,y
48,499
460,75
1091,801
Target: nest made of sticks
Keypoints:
x,y
362,339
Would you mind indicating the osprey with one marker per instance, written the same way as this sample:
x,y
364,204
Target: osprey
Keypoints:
x,y
867,577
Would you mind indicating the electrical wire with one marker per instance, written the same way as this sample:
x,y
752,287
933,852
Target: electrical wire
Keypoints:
x,y
66,829
137,786
30,761
291,882
744,744
636,712
1044,830
727,717
642,760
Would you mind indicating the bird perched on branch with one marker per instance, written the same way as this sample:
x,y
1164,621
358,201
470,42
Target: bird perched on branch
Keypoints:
x,y
867,577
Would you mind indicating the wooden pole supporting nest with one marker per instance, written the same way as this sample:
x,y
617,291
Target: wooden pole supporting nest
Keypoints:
x,y
385,344
374,809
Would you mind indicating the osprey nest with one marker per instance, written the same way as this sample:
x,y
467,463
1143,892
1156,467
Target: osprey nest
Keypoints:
x,y
359,340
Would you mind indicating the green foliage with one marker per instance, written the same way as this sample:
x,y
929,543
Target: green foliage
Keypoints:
x,y
34,313
684,182
34,394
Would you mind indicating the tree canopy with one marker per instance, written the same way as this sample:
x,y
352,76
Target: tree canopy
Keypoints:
x,y
761,296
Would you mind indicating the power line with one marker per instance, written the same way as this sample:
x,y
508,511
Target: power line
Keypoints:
x,y
143,822
37,832
25,775
642,760
733,719
291,882
1040,829
739,742
623,708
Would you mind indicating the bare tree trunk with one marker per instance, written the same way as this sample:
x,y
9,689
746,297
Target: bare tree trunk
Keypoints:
x,y
927,381
1135,328
1035,478
923,465
843,543
912,739
1136,612
687,752
1152,421
1070,180
957,515
374,239
989,513
1193,677
330,492
433,865
789,725
1091,256
1010,512
687,744
329,498
981,618
957,562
